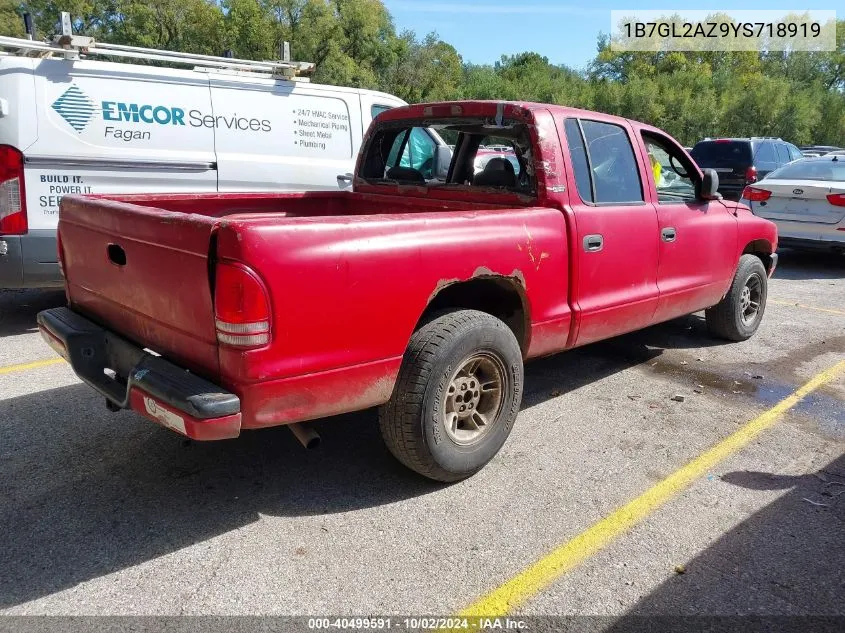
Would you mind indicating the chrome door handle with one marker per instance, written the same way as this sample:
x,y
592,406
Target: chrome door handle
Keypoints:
x,y
344,180
668,234
593,243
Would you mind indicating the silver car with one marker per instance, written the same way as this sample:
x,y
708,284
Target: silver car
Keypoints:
x,y
806,199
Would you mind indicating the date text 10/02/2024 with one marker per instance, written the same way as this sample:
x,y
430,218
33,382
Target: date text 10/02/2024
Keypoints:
x,y
417,624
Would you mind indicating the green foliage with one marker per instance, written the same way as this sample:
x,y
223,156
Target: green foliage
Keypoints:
x,y
11,23
799,96
427,70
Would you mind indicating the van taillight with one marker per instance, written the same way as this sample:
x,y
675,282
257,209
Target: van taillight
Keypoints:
x,y
241,307
750,175
12,194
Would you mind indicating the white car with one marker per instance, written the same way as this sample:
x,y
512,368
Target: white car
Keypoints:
x,y
806,199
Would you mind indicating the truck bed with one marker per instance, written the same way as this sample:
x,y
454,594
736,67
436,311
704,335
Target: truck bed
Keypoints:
x,y
143,267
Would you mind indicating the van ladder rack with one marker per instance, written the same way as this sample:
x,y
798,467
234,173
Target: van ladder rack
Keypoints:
x,y
79,47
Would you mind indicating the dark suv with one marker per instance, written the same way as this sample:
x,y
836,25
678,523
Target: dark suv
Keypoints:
x,y
743,161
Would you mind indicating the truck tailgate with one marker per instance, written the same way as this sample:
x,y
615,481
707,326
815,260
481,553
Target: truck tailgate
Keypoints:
x,y
143,272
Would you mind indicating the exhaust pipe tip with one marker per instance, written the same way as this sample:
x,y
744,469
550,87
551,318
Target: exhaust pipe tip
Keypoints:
x,y
313,443
306,435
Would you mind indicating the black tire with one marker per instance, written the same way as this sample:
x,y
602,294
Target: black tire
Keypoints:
x,y
413,422
729,318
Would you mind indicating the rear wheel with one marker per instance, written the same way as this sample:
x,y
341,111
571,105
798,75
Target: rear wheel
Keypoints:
x,y
457,396
738,315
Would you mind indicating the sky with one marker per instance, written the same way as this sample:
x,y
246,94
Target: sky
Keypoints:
x,y
565,32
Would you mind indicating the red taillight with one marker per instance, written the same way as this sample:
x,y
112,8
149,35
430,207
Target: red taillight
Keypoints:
x,y
241,307
750,175
756,195
12,194
723,140
837,199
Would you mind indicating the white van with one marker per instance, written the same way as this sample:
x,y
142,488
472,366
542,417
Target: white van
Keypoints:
x,y
91,126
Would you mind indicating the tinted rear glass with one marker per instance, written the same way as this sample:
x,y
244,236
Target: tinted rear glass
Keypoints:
x,y
722,153
811,170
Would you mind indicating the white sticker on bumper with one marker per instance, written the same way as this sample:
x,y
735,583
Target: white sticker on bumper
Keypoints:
x,y
167,418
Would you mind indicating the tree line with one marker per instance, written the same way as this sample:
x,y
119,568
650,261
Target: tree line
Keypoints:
x,y
799,96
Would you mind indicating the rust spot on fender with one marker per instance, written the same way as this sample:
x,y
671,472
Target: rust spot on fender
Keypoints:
x,y
482,272
440,285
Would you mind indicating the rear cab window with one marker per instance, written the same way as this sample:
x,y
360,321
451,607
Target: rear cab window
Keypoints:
x,y
485,154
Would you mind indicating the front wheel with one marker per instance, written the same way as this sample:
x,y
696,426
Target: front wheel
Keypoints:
x,y
457,396
738,315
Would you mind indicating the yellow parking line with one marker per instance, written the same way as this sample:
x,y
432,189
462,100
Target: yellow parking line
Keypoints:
x,y
513,593
10,369
795,304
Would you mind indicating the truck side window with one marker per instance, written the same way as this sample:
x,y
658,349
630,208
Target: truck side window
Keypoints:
x,y
670,170
616,177
398,147
417,152
579,160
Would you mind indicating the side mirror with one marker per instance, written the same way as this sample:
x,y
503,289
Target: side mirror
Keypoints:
x,y
708,189
442,160
344,181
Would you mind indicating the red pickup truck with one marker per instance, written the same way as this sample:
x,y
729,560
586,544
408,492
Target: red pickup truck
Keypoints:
x,y
422,291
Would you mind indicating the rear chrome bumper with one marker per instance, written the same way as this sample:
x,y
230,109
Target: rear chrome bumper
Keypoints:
x,y
131,378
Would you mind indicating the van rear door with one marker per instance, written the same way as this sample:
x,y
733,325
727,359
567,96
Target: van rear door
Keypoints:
x,y
18,127
277,135
116,128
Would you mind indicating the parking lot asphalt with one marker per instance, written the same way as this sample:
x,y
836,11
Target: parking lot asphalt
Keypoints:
x,y
106,513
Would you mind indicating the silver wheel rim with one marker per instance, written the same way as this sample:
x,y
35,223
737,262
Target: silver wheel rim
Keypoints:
x,y
750,299
474,398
